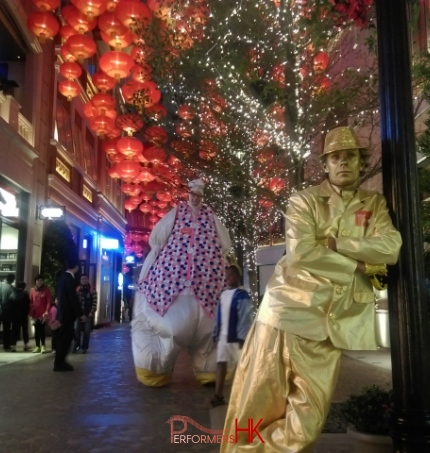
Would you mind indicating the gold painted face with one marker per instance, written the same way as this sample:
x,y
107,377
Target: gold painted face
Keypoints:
x,y
343,168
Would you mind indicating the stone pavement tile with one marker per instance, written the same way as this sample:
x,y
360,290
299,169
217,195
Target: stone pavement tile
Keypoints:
x,y
98,407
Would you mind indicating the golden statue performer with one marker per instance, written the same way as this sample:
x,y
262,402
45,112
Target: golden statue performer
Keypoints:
x,y
319,301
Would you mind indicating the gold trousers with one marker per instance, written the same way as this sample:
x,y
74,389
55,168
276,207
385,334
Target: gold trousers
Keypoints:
x,y
288,382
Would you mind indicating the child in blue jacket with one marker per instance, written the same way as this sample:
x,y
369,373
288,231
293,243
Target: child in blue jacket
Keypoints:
x,y
233,321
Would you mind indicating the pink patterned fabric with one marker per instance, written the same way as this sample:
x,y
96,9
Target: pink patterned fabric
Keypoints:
x,y
192,257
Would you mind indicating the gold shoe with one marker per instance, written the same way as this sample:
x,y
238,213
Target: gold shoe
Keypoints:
x,y
206,378
36,349
151,379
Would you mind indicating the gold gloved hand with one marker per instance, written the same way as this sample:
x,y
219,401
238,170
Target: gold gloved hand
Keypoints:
x,y
375,269
379,282
323,242
377,274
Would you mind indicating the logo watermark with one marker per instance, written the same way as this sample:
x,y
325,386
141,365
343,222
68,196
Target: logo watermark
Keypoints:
x,y
211,436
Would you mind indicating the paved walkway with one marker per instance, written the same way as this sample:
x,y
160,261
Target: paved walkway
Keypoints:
x,y
101,408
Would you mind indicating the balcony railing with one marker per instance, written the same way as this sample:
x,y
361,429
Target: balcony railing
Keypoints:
x,y
9,111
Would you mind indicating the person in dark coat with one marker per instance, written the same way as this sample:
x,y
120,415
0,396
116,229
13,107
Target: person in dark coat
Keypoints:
x,y
7,298
69,309
21,310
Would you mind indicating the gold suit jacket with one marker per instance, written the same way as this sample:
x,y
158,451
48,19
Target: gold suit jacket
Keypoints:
x,y
317,293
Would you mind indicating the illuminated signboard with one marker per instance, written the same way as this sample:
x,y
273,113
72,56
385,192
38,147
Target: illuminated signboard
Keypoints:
x,y
52,212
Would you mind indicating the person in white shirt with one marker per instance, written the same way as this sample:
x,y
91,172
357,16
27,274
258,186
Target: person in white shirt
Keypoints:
x,y
232,324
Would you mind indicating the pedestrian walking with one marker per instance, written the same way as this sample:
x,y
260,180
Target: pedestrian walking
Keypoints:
x,y
69,309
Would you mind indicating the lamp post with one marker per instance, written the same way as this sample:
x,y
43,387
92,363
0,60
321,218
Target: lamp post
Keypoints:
x,y
409,329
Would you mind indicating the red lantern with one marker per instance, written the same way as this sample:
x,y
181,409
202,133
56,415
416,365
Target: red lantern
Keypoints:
x,y
115,132
147,196
101,125
43,24
136,200
155,186
145,208
116,158
163,196
128,169
116,64
129,123
117,41
65,53
265,203
77,20
127,91
146,176
129,206
183,148
276,185
184,130
69,88
66,31
81,47
140,53
90,112
160,8
46,5
141,72
129,146
70,70
153,218
109,146
321,61
154,155
91,8
186,112
131,12
142,94
133,190
102,102
156,111
137,248
156,135
102,81
113,173
111,5
111,25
